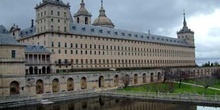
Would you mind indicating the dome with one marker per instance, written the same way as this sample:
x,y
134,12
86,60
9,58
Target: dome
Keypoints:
x,y
102,19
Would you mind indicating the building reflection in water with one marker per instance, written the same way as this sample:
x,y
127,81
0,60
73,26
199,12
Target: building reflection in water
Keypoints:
x,y
111,104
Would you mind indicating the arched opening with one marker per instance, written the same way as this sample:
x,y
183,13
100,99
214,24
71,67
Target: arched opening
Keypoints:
x,y
55,85
48,70
70,84
135,79
144,78
78,20
116,80
83,83
84,104
31,70
35,70
14,88
159,77
86,20
39,87
101,101
44,70
152,77
101,81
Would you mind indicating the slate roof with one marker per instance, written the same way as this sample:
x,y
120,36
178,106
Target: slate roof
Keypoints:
x,y
3,30
123,34
27,32
6,39
35,49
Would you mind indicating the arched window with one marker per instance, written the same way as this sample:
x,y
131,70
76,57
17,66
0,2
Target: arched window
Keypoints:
x,y
39,87
86,20
78,20
14,88
55,85
83,83
70,84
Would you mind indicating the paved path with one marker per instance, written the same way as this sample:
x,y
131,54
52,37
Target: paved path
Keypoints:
x,y
191,84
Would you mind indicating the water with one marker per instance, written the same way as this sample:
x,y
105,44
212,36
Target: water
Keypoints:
x,y
114,104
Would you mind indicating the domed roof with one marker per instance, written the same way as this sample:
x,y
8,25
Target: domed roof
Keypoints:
x,y
82,10
102,19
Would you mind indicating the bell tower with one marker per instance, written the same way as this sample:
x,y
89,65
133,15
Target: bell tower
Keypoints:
x,y
82,16
185,33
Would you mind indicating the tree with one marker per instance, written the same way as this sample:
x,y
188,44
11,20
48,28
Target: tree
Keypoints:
x,y
168,76
126,80
206,82
180,76
216,74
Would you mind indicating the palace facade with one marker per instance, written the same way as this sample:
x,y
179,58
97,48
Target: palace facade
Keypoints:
x,y
60,52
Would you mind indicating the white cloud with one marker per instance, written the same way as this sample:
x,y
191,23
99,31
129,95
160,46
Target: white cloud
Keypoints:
x,y
207,44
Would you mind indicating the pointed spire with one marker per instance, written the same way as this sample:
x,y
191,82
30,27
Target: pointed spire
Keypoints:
x,y
102,10
101,3
184,22
82,4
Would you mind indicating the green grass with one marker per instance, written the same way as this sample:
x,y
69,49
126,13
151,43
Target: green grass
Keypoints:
x,y
217,84
164,87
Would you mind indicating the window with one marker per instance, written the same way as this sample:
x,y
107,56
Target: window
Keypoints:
x,y
58,44
13,54
58,13
51,12
52,44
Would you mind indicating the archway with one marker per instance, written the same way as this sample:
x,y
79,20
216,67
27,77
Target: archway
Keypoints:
x,y
48,70
116,80
14,88
152,77
144,78
35,70
39,87
31,70
70,84
83,83
44,70
159,77
101,81
55,85
135,79
86,20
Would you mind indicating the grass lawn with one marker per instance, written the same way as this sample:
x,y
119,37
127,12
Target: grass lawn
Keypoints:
x,y
165,87
193,81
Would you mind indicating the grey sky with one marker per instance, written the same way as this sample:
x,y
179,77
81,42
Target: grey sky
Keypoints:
x,y
162,17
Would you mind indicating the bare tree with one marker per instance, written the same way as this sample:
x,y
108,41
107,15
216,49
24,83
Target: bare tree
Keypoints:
x,y
168,76
206,82
126,80
216,74
181,76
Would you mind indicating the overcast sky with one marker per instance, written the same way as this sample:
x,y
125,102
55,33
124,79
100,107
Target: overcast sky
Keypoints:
x,y
162,17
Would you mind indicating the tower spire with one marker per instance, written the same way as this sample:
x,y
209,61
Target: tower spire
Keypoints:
x,y
184,22
101,3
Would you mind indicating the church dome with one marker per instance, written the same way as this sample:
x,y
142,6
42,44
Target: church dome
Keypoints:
x,y
102,19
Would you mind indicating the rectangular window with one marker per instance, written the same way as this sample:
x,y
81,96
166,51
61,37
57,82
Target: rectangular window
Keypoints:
x,y
13,54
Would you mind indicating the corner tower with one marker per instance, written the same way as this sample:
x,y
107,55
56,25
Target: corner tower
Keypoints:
x,y
102,19
82,16
185,33
52,16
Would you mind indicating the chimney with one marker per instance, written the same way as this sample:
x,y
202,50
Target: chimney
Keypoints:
x,y
149,32
32,23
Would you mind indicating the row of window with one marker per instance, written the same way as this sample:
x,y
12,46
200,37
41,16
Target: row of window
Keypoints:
x,y
133,53
118,48
121,61
51,13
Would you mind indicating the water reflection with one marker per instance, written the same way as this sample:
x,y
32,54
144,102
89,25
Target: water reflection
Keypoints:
x,y
111,104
